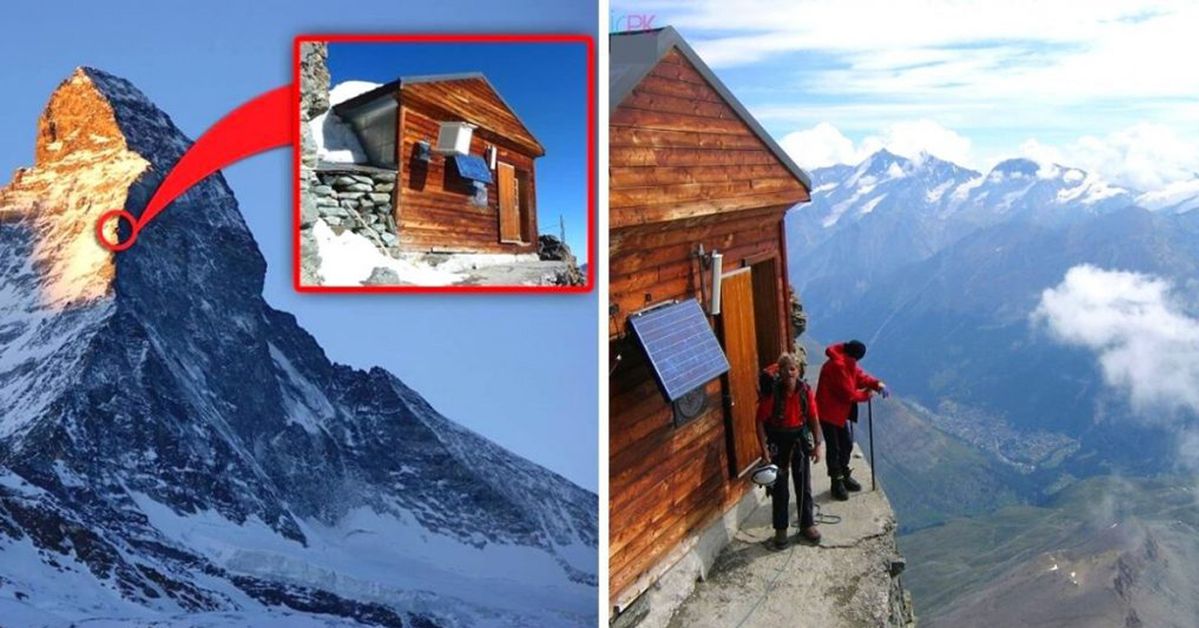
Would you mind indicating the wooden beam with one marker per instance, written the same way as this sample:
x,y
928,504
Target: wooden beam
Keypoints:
x,y
646,214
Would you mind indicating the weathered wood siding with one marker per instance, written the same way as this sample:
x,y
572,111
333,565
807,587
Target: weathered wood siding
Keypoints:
x,y
684,170
677,150
434,208
473,100
433,204
666,483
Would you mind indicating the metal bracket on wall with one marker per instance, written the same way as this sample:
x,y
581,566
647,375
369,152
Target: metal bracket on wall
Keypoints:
x,y
650,308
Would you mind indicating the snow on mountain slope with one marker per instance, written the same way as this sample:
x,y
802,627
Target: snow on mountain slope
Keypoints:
x,y
880,210
174,450
930,187
890,210
1179,197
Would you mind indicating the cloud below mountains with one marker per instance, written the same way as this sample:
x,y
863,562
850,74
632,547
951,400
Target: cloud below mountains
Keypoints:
x,y
1146,343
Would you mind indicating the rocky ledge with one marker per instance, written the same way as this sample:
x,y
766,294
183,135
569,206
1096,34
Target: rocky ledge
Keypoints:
x,y
851,580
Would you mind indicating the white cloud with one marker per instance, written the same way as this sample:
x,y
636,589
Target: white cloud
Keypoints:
x,y
912,138
986,69
824,145
1145,156
1044,50
1043,154
819,146
1146,344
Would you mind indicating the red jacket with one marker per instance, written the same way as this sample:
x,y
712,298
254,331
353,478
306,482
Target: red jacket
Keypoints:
x,y
792,416
842,384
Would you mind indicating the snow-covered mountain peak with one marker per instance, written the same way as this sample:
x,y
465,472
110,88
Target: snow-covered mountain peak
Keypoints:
x,y
1015,168
171,444
77,119
931,165
147,129
884,164
885,161
78,135
103,145
1178,197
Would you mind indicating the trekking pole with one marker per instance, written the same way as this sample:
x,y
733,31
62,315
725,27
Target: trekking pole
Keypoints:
x,y
870,420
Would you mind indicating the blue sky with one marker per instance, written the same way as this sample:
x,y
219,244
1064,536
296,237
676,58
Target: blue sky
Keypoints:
x,y
519,369
1102,86
544,83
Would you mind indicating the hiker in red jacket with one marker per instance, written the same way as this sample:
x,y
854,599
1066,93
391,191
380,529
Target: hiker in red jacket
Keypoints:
x,y
843,384
787,418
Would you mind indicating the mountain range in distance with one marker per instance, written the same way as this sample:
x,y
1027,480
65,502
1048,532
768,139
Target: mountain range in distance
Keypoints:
x,y
940,269
1000,436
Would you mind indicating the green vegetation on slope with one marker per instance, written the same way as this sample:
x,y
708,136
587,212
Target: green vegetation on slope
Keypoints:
x,y
967,564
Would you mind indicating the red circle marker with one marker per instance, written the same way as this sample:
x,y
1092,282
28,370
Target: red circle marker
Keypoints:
x,y
119,214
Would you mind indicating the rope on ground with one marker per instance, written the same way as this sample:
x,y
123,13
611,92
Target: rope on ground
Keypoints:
x,y
817,517
821,518
769,587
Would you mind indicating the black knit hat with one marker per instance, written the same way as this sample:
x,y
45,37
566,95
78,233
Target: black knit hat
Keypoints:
x,y
855,349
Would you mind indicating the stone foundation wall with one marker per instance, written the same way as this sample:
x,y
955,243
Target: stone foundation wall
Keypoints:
x,y
358,201
314,100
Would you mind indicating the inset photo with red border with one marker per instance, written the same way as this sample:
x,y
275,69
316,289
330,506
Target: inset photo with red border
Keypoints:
x,y
444,163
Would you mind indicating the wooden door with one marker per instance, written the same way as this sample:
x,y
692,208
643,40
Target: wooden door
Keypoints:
x,y
528,211
741,347
768,314
509,204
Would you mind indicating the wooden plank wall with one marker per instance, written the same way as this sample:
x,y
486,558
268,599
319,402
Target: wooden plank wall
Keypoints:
x,y
667,483
684,170
474,101
435,210
677,150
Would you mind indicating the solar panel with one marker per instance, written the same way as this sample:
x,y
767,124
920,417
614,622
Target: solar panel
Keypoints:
x,y
681,347
472,167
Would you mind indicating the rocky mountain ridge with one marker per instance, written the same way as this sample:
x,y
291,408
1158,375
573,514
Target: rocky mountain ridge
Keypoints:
x,y
172,446
939,270
890,210
944,292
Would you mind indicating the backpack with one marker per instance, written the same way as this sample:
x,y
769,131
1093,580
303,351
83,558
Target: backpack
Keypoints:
x,y
769,384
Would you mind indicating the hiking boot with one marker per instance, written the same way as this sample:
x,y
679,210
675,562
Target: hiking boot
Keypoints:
x,y
809,535
779,541
840,493
851,484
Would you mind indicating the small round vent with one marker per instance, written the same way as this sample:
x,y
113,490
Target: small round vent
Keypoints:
x,y
690,405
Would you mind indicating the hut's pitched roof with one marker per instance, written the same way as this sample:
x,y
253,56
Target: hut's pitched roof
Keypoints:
x,y
635,53
430,88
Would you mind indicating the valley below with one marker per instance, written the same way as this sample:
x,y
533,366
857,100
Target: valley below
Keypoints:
x,y
1106,551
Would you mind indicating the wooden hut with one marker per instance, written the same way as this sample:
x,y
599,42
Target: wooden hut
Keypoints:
x,y
464,162
691,173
